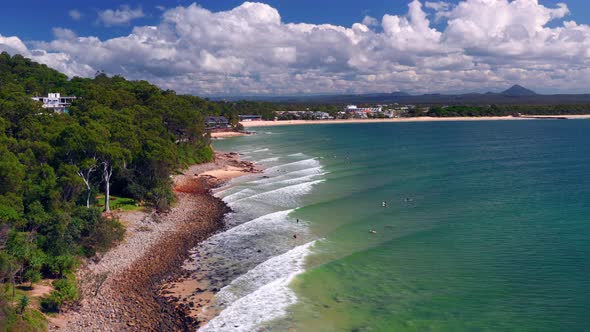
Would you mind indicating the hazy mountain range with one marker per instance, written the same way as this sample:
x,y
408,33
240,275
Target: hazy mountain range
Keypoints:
x,y
514,95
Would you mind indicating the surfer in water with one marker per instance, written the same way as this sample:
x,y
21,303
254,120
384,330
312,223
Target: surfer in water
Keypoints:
x,y
384,204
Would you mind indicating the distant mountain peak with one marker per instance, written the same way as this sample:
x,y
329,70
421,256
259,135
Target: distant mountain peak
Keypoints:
x,y
517,91
399,94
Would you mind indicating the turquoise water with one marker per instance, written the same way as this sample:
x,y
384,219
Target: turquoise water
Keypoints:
x,y
487,228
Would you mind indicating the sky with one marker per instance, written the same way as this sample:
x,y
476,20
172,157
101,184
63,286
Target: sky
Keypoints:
x,y
287,47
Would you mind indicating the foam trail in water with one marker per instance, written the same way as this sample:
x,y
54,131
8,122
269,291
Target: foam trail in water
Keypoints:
x,y
268,160
293,166
289,182
233,193
291,175
260,295
284,196
244,193
256,225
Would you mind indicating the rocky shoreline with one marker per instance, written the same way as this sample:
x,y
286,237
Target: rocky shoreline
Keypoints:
x,y
122,290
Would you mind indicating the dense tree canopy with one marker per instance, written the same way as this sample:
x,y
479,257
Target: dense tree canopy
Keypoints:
x,y
502,110
119,137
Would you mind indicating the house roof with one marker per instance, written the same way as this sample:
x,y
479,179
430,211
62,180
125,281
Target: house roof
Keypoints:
x,y
216,118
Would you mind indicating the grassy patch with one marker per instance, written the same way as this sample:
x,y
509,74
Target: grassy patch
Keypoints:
x,y
123,203
11,319
36,321
31,321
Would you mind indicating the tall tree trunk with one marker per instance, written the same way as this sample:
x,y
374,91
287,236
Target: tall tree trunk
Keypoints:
x,y
86,178
88,192
107,172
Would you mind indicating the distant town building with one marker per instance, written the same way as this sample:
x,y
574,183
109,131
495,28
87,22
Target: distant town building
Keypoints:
x,y
250,117
322,115
355,109
391,114
216,122
360,115
56,102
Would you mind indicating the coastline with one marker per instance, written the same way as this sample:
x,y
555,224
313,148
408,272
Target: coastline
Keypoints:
x,y
121,291
227,134
248,124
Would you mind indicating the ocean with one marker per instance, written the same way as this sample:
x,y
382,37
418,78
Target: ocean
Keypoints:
x,y
431,226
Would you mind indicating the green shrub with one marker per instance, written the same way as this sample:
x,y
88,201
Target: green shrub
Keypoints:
x,y
23,303
98,234
60,265
32,276
204,154
160,198
65,292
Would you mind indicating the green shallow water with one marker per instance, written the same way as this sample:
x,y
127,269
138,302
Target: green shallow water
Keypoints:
x,y
487,226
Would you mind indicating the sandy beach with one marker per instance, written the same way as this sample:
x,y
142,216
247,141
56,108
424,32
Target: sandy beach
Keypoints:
x,y
224,134
121,291
249,124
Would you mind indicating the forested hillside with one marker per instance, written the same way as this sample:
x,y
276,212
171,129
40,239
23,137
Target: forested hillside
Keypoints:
x,y
120,137
503,110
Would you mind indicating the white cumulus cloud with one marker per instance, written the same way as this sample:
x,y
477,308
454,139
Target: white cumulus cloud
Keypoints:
x,y
120,16
370,21
250,50
62,33
75,14
13,45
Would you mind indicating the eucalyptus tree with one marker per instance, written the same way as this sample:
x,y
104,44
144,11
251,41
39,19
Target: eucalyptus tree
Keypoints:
x,y
80,146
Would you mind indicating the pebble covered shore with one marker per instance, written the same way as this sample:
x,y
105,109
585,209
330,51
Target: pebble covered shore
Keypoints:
x,y
120,290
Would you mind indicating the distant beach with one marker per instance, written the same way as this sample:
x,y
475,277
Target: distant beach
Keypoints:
x,y
413,119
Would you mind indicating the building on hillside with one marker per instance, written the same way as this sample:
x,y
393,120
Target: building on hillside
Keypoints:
x,y
55,102
250,117
216,122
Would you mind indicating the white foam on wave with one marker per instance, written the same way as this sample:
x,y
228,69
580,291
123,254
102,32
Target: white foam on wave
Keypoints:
x,y
244,242
260,150
261,295
256,225
317,170
244,193
289,181
232,193
295,165
268,160
283,196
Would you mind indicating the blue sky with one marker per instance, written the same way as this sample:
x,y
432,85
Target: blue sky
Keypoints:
x,y
223,47
34,19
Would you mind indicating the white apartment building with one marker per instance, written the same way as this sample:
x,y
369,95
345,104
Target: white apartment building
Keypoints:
x,y
56,102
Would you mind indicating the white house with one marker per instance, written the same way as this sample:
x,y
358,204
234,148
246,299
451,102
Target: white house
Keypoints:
x,y
56,102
